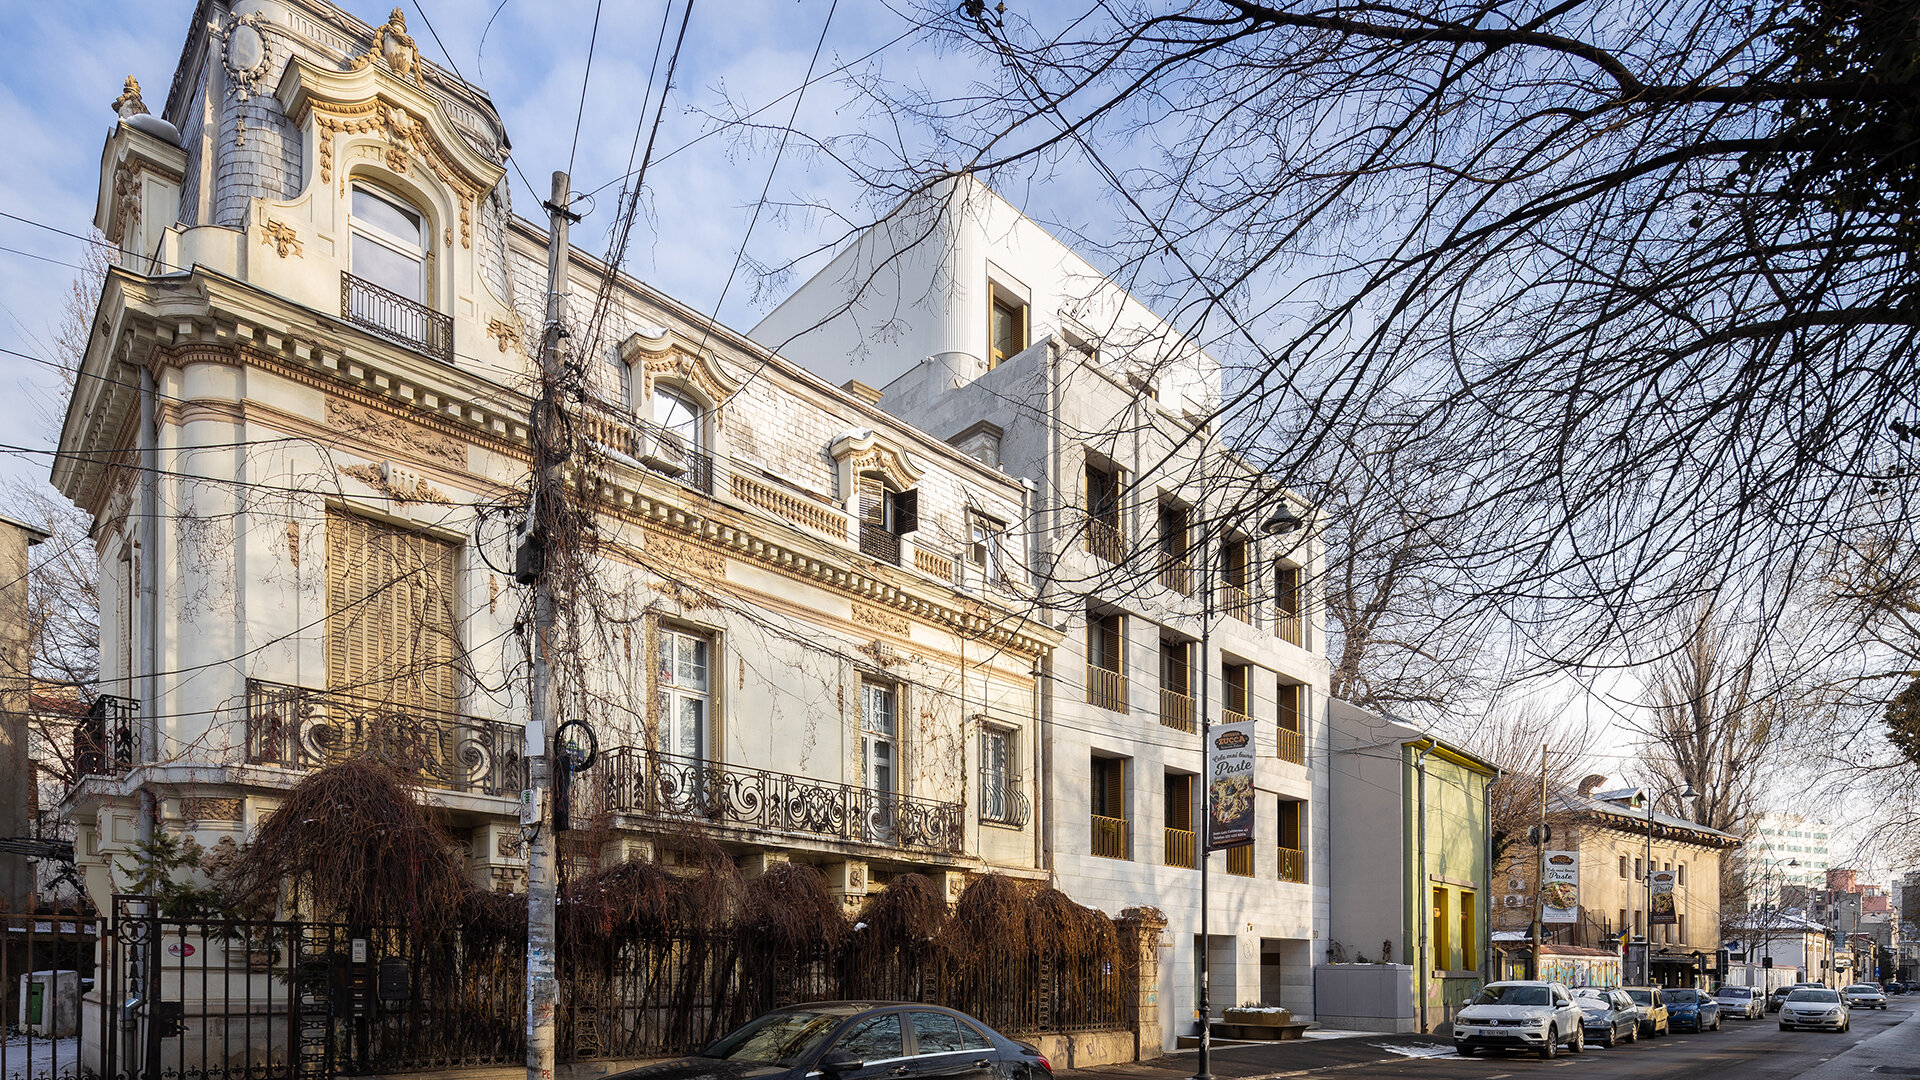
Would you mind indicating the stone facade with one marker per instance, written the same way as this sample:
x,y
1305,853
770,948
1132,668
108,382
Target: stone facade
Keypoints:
x,y
304,495
979,327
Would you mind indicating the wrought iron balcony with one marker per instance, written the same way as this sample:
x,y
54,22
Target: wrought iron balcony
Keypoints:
x,y
396,318
297,728
878,543
106,742
631,780
1003,803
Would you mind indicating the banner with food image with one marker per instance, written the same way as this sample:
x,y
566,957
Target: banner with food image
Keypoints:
x,y
1560,887
1664,906
1230,802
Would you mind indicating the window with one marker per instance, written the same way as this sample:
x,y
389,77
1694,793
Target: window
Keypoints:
x,y
1680,928
1440,948
682,691
679,414
1292,836
1287,623
1291,741
1639,870
996,775
1637,931
1622,924
1235,677
876,1039
1235,600
390,626
1175,543
1623,866
1179,820
1109,781
944,1033
885,516
1104,537
1006,329
879,735
985,548
1106,673
1680,875
388,244
1468,961
1176,684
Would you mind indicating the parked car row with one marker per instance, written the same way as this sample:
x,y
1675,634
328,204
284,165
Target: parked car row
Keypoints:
x,y
1546,1017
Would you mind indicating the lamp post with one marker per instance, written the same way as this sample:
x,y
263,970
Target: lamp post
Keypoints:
x,y
1647,945
1282,521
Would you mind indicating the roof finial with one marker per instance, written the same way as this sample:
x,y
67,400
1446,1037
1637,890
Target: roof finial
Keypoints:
x,y
128,104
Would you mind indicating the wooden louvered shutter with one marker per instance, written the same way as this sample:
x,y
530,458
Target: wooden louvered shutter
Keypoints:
x,y
1113,788
873,502
390,614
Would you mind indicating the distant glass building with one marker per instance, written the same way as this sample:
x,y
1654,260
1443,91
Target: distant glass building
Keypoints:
x,y
1779,839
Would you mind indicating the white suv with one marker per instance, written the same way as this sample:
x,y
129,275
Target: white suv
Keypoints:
x,y
1815,1007
1537,1016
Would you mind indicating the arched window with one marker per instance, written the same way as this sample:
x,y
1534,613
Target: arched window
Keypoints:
x,y
681,415
389,244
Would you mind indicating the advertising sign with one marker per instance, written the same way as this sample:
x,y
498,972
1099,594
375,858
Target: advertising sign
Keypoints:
x,y
1230,785
1560,887
1664,904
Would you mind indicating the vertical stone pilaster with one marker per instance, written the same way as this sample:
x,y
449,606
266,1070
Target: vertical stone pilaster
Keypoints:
x,y
1140,930
762,861
850,882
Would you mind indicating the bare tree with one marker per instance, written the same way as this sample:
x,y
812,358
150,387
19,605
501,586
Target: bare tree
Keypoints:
x,y
1645,270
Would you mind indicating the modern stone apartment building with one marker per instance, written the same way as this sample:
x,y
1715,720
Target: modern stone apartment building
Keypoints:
x,y
301,430
1171,568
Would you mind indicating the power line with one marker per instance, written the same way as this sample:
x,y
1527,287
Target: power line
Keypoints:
x,y
593,38
421,7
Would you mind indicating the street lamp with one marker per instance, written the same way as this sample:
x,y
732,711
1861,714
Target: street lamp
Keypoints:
x,y
1647,953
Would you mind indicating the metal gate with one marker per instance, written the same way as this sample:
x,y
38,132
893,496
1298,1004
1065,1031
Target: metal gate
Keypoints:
x,y
234,999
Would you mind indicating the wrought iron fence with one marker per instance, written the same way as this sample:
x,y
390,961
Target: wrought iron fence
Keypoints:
x,y
1003,803
633,780
396,318
46,966
298,728
106,742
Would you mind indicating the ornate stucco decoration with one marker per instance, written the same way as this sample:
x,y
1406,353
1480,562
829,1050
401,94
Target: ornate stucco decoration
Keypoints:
x,y
662,354
862,450
409,130
245,52
395,48
281,235
396,483
504,333
392,432
128,103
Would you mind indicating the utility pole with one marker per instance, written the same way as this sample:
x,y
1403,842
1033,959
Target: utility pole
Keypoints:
x,y
548,430
1540,865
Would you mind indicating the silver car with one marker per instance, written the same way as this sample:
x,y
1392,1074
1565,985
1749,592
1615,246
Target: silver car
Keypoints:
x,y
1864,996
1609,1016
1817,1008
1745,1002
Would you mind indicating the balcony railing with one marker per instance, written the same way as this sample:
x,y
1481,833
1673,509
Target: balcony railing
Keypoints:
x,y
1109,837
1176,710
106,742
877,543
1286,627
659,449
297,728
631,780
1240,860
1003,803
396,318
1293,746
1107,689
1176,574
1237,603
1180,848
1231,716
1104,539
1293,864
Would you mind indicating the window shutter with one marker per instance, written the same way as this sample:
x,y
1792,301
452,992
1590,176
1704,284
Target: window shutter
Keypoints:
x,y
873,501
906,511
1114,788
390,613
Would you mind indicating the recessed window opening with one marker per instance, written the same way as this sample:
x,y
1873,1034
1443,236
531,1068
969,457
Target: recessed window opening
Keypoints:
x,y
389,244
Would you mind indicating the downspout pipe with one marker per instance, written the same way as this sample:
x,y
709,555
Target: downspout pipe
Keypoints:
x,y
1420,885
149,599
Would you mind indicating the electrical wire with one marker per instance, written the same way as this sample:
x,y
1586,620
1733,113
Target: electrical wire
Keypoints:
x,y
593,39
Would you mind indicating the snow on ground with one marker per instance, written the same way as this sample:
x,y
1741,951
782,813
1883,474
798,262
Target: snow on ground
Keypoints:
x,y
42,1059
1417,1050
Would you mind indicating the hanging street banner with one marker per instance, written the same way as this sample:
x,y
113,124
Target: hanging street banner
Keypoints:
x,y
1664,906
1229,785
1560,887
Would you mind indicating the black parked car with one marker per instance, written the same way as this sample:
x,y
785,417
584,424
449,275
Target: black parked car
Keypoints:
x,y
859,1040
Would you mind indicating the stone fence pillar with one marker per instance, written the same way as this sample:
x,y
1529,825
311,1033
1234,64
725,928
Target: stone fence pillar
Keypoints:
x,y
1140,929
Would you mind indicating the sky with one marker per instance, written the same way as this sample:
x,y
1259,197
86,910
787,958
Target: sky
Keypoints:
x,y
70,58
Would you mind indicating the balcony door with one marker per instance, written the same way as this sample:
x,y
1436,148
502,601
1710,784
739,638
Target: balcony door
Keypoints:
x,y
681,684
388,245
879,757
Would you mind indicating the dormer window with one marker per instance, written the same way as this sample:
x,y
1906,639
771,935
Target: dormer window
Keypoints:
x,y
679,415
389,245
676,438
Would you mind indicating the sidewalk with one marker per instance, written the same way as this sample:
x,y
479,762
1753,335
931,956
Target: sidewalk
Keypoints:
x,y
1265,1061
